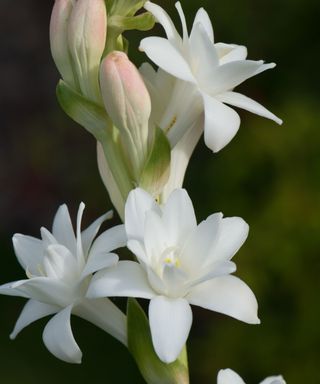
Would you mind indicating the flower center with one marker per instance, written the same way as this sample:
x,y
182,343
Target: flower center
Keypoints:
x,y
169,257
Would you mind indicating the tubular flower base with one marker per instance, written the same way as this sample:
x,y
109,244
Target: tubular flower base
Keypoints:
x,y
59,269
180,263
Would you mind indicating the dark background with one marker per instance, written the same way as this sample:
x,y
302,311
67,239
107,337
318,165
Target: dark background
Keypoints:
x,y
268,175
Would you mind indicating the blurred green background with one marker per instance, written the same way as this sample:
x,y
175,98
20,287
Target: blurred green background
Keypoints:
x,y
269,175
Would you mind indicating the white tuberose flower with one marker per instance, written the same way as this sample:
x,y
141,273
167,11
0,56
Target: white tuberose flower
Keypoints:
x,y
59,269
228,376
180,264
214,69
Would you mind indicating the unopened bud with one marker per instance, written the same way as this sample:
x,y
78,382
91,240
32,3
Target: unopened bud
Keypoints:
x,y
87,31
127,102
58,39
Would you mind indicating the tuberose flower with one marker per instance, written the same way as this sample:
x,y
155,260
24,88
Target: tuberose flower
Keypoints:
x,y
228,376
59,268
213,69
180,263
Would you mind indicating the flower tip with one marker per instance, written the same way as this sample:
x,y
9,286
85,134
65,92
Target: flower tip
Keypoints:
x,y
12,335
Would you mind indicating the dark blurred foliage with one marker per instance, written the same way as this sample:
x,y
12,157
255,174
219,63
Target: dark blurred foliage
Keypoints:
x,y
269,175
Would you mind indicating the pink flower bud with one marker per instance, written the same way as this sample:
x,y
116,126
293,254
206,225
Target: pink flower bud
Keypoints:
x,y
87,32
127,102
58,39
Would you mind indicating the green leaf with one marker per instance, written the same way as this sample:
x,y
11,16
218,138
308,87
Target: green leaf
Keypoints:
x,y
85,112
140,345
157,169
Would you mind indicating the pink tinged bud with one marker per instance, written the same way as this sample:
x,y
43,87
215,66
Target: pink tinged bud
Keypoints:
x,y
58,39
87,34
128,103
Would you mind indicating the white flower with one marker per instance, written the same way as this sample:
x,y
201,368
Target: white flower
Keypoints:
x,y
59,269
228,376
213,69
180,264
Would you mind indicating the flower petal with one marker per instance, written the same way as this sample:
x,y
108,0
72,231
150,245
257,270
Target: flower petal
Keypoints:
x,y
221,123
58,338
170,323
105,315
98,261
228,376
113,238
273,380
10,289
244,102
164,19
62,229
156,236
29,252
228,295
227,76
167,57
126,279
203,18
233,233
198,245
178,216
231,52
204,57
32,311
138,203
89,233
46,290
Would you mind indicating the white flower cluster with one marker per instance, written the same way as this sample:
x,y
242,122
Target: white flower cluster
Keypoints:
x,y
147,125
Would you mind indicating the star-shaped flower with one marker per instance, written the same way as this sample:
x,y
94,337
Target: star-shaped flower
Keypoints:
x,y
180,263
59,268
214,70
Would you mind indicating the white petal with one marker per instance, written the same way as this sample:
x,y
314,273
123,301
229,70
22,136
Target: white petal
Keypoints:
x,y
138,250
170,323
126,279
228,295
32,311
59,263
105,315
231,52
167,57
138,203
228,376
46,290
203,55
10,289
178,216
203,18
233,233
98,261
47,238
244,102
183,21
29,252
156,236
273,380
58,338
89,233
109,240
62,229
226,77
221,123
198,245
164,19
